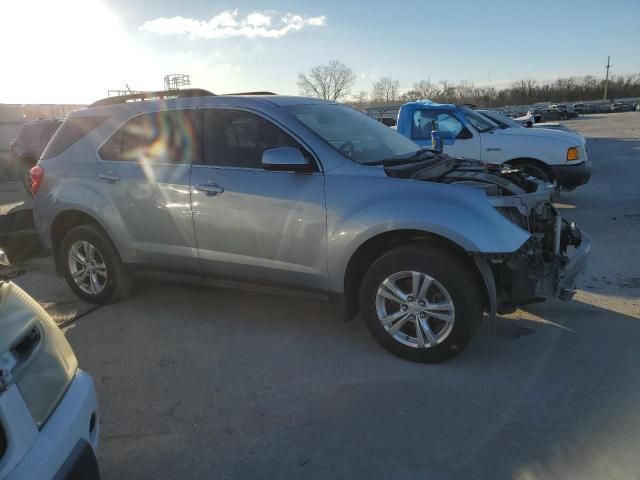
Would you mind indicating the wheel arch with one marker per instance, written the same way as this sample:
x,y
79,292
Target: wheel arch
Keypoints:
x,y
538,163
27,157
378,245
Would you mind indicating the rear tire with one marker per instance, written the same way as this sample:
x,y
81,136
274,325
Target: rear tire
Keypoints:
x,y
92,267
437,283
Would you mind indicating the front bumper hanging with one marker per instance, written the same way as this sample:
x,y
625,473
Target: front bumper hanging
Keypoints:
x,y
577,262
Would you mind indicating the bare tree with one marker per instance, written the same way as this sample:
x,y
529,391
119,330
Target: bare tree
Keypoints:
x,y
386,90
525,91
465,92
422,90
447,92
332,81
360,99
425,89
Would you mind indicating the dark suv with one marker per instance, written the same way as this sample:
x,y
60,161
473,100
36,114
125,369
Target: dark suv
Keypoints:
x,y
29,145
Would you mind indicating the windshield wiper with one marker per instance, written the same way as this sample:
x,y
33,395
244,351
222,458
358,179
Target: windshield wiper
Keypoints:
x,y
417,156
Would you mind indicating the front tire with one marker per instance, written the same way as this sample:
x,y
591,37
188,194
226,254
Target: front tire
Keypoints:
x,y
536,170
421,303
92,266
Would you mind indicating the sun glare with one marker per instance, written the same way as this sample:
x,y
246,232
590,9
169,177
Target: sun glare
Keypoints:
x,y
60,51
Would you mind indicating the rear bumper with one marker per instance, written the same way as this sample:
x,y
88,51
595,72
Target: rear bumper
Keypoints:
x,y
572,176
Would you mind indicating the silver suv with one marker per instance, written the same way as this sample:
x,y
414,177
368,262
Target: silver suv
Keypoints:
x,y
299,193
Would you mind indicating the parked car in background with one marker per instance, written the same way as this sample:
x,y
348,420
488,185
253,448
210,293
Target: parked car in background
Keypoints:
x,y
29,145
531,120
48,408
547,114
301,193
620,107
591,108
560,157
605,108
505,122
579,107
636,107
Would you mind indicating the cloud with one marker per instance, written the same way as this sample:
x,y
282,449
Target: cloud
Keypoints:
x,y
229,24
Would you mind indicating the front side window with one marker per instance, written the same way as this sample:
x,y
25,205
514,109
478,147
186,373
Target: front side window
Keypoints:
x,y
234,138
449,126
480,123
166,137
354,134
501,119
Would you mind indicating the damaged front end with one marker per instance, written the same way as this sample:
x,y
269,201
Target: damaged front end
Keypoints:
x,y
548,263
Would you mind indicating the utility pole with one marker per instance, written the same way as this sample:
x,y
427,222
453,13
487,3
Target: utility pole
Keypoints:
x,y
606,80
489,75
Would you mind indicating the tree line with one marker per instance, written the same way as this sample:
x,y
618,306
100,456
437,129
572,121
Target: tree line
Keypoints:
x,y
335,80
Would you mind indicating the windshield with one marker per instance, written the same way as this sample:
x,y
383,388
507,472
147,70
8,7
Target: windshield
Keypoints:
x,y
481,123
354,134
500,118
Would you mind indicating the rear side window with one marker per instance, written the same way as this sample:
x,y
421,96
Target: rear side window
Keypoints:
x,y
50,131
72,130
158,137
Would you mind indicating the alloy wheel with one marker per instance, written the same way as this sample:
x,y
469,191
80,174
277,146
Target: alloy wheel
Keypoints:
x,y
87,267
415,309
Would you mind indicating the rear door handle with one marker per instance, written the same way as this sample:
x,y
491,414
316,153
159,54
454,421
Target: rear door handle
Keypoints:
x,y
109,176
211,189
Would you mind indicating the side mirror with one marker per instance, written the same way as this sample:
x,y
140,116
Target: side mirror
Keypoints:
x,y
285,159
4,260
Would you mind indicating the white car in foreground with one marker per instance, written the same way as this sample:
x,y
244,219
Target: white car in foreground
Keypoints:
x,y
48,407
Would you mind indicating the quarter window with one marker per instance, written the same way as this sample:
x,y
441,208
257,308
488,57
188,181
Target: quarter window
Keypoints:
x,y
233,138
158,137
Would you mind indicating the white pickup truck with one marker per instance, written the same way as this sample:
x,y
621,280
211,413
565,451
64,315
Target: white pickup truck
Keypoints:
x,y
552,155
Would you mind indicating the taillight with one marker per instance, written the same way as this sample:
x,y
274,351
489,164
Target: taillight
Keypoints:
x,y
37,175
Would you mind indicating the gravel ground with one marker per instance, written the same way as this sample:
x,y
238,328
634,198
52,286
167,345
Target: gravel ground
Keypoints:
x,y
213,383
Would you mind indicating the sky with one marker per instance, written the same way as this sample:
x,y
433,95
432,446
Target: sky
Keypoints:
x,y
73,51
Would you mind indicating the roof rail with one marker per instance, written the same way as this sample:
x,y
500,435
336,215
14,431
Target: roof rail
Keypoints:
x,y
187,92
251,93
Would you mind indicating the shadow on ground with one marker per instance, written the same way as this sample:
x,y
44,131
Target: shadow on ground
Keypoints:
x,y
243,385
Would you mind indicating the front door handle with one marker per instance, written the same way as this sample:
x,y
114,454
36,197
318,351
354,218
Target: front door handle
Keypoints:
x,y
109,176
211,189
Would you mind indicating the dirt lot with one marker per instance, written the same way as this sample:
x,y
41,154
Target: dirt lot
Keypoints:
x,y
213,383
